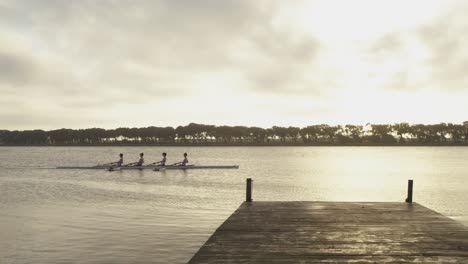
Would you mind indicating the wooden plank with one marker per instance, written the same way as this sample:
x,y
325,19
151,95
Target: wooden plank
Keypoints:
x,y
335,232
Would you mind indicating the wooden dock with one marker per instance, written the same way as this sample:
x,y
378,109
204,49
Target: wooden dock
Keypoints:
x,y
335,232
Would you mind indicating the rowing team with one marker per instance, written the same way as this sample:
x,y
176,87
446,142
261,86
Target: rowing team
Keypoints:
x,y
141,161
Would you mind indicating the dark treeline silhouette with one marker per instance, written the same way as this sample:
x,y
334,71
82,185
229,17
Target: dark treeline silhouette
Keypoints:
x,y
198,134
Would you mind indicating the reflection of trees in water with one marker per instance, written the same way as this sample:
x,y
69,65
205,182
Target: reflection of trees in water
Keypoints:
x,y
402,133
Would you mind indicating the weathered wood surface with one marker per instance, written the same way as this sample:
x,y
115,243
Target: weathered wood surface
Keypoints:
x,y
335,232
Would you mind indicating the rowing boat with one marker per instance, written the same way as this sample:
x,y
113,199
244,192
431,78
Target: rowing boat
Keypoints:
x,y
151,167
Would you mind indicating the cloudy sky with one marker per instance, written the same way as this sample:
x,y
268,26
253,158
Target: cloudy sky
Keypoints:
x,y
109,64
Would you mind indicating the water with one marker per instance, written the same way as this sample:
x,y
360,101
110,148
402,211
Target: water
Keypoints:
x,y
69,216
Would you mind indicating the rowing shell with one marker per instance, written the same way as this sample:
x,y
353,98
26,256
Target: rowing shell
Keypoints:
x,y
150,167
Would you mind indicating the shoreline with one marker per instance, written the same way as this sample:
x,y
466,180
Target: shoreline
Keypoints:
x,y
234,145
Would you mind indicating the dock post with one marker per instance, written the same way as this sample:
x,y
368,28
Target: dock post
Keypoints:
x,y
248,193
409,199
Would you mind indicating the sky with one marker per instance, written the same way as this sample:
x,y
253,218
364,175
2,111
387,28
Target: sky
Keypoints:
x,y
109,64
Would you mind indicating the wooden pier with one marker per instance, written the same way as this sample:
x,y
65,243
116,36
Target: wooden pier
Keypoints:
x,y
335,232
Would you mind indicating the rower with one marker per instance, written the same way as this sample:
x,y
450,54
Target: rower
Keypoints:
x,y
139,162
117,163
120,162
182,163
161,162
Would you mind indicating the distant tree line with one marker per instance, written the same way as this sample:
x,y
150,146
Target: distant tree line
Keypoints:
x,y
199,134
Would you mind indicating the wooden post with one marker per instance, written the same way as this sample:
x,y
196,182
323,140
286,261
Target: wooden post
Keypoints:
x,y
248,193
409,199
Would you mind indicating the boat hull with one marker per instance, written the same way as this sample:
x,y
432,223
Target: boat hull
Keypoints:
x,y
150,167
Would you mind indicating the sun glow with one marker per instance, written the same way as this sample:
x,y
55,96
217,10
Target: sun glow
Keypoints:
x,y
361,20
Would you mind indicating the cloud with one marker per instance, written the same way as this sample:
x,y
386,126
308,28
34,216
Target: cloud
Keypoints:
x,y
105,54
429,56
16,69
157,46
133,57
447,42
282,63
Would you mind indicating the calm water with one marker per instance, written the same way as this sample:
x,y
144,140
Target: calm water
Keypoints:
x,y
70,216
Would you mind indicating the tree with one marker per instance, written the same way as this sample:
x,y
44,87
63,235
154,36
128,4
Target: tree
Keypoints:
x,y
328,133
401,129
280,132
382,134
311,133
257,134
293,133
194,133
355,132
